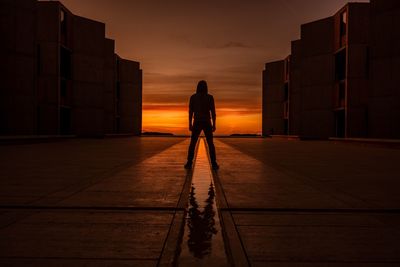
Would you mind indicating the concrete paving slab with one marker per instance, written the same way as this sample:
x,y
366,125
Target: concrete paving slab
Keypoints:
x,y
248,183
110,212
155,182
341,220
32,172
76,262
118,202
307,238
86,235
360,175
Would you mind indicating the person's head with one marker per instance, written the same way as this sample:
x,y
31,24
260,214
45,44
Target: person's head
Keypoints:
x,y
202,87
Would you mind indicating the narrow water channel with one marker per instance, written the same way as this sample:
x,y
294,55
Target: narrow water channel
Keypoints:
x,y
202,242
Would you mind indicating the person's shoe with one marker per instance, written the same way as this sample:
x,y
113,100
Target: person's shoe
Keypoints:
x,y
215,166
188,165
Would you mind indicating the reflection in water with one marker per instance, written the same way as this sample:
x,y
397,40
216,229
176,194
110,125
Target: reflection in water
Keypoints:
x,y
201,224
202,243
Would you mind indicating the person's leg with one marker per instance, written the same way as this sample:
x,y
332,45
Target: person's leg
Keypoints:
x,y
193,141
211,148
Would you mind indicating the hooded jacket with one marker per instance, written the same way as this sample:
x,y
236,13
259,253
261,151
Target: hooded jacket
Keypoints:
x,y
202,105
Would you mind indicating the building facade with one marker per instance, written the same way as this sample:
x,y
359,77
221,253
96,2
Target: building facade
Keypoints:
x,y
384,91
341,75
18,96
76,78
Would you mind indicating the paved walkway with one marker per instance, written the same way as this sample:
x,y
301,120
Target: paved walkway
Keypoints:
x,y
121,202
297,203
89,202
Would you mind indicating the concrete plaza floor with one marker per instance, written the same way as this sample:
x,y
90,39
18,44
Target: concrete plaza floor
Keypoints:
x,y
121,202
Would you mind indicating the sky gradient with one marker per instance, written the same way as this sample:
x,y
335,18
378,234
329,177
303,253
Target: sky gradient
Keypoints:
x,y
224,42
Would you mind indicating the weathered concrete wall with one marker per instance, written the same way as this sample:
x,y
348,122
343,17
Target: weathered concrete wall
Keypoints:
x,y
317,78
88,76
130,96
357,70
137,103
346,74
59,74
109,86
384,94
48,81
295,101
273,96
18,67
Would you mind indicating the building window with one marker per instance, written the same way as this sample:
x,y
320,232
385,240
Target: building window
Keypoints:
x,y
286,92
340,123
117,97
118,91
343,28
286,110
286,126
63,88
63,26
65,120
62,16
287,69
367,63
341,94
39,59
117,125
340,65
65,63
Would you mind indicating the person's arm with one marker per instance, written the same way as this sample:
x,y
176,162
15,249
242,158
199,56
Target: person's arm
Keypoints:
x,y
190,114
213,114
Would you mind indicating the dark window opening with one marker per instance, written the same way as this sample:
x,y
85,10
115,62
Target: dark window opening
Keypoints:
x,y
117,97
62,16
39,120
63,88
118,91
65,120
340,65
343,28
340,123
117,122
39,60
287,69
286,92
117,68
286,127
367,63
65,63
343,23
63,26
342,93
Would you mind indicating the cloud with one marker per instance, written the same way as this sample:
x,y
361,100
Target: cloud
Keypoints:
x,y
230,44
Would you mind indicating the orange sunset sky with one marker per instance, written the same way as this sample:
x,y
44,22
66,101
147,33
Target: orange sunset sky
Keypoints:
x,y
224,42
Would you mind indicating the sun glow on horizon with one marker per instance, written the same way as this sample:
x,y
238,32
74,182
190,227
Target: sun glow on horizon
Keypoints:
x,y
175,120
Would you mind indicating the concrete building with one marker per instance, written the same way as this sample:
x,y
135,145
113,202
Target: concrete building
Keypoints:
x,y
351,46
88,61
276,97
110,85
295,107
384,93
18,95
341,81
54,42
76,77
316,79
128,77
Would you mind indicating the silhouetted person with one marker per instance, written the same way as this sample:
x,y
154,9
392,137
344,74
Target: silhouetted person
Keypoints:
x,y
202,106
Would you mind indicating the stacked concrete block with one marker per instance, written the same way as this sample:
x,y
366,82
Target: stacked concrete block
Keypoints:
x,y
60,75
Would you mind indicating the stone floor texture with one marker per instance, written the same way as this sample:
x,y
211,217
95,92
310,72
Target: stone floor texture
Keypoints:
x,y
118,202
